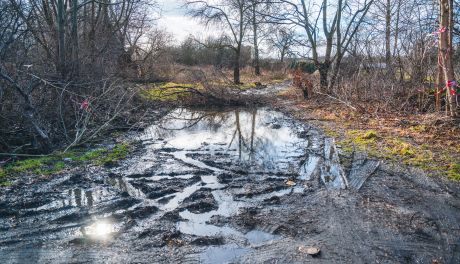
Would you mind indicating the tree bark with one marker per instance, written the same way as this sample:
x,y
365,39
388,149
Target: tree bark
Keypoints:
x,y
75,56
445,51
323,69
236,66
388,61
256,45
61,39
440,82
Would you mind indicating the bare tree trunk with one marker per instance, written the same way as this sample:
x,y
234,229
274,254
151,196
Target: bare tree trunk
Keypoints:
x,y
445,49
256,45
236,66
323,69
440,82
75,56
396,30
61,39
339,45
388,37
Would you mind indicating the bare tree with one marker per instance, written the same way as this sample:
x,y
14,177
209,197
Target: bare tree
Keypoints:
x,y
323,28
255,25
445,53
282,39
12,30
57,59
231,15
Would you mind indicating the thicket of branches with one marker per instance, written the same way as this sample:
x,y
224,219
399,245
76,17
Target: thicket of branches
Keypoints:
x,y
393,52
62,67
65,64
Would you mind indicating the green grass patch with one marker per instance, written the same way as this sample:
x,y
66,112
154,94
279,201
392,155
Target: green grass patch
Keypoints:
x,y
51,169
3,179
119,152
418,128
361,140
247,86
29,164
94,154
59,161
454,172
401,148
169,91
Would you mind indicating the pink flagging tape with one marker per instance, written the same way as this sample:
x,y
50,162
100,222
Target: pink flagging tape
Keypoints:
x,y
452,83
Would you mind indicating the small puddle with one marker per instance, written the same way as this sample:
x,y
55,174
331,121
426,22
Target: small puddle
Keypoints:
x,y
224,254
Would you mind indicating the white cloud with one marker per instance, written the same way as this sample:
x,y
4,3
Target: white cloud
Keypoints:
x,y
182,26
175,21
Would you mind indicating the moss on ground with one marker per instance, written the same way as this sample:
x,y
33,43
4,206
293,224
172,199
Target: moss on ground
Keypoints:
x,y
331,133
94,154
3,178
168,92
59,161
398,149
418,128
247,86
454,172
359,140
112,156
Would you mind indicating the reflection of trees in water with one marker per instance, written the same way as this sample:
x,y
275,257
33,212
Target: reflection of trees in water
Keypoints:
x,y
256,148
254,144
79,198
192,121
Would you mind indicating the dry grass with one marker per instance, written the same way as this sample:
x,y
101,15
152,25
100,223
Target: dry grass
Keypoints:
x,y
427,141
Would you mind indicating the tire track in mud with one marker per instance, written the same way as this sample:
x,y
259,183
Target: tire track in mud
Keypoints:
x,y
225,190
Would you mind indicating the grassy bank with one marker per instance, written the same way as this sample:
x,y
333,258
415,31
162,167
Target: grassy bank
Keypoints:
x,y
425,141
60,161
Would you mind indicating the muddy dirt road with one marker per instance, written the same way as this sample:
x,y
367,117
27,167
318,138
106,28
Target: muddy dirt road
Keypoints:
x,y
232,186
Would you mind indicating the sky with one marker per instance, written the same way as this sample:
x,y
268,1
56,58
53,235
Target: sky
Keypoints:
x,y
175,21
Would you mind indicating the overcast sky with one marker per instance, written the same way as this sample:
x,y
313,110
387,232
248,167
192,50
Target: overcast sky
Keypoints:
x,y
175,21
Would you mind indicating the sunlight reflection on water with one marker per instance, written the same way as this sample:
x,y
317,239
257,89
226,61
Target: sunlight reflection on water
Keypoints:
x,y
100,230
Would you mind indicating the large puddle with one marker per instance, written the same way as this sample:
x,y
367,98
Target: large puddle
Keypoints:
x,y
231,151
196,170
231,186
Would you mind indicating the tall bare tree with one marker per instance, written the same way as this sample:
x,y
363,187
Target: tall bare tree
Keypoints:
x,y
232,16
255,31
323,28
282,39
445,53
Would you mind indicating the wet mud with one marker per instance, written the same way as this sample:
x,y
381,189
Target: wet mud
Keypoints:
x,y
232,186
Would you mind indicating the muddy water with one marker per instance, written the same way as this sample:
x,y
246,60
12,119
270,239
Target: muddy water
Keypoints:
x,y
224,151
193,169
226,186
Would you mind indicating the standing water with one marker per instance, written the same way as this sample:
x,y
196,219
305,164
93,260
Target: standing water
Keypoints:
x,y
196,174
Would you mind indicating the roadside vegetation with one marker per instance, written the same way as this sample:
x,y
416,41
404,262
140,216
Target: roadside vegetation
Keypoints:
x,y
60,161
425,141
